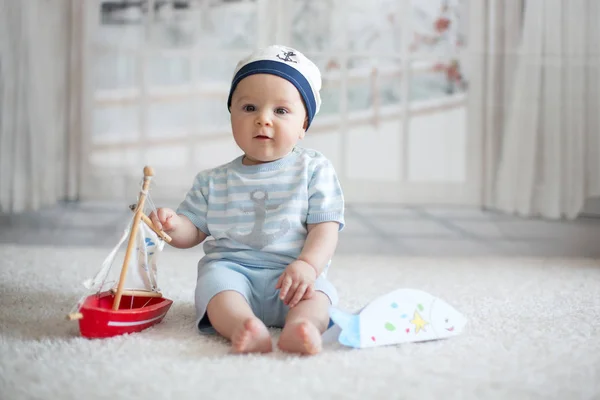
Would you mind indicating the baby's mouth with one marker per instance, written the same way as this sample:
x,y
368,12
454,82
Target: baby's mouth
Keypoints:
x,y
450,329
262,137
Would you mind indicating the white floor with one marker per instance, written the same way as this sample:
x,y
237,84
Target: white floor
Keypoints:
x,y
532,333
387,230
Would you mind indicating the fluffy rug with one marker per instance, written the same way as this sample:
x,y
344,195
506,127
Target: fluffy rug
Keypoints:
x,y
533,332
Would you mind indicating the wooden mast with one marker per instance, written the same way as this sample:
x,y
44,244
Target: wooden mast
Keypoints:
x,y
148,174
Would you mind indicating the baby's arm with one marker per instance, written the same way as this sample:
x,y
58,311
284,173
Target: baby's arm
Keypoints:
x,y
320,245
183,232
298,279
325,218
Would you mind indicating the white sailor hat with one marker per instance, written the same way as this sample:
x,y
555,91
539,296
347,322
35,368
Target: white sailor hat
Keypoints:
x,y
286,63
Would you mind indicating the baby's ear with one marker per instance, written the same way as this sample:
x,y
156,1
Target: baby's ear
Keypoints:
x,y
304,128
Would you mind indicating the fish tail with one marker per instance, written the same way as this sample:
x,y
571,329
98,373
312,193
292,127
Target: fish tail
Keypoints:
x,y
350,325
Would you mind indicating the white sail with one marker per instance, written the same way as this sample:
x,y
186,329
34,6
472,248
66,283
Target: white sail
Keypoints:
x,y
100,279
142,269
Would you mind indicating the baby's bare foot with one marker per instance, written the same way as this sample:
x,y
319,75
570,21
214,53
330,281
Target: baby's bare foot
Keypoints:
x,y
301,337
251,337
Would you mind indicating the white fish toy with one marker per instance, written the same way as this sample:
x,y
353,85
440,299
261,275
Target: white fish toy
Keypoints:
x,y
401,316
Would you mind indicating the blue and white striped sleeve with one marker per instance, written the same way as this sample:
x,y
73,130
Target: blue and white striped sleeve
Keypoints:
x,y
195,204
325,197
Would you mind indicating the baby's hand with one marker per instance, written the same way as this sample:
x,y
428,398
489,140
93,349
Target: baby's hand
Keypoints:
x,y
167,219
296,283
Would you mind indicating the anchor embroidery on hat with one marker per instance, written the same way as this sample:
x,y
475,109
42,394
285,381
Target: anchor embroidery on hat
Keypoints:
x,y
287,56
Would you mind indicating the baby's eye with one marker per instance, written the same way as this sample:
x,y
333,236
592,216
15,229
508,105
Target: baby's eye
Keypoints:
x,y
446,320
281,111
249,108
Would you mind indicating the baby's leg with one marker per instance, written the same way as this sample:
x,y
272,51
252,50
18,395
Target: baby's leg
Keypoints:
x,y
232,317
304,325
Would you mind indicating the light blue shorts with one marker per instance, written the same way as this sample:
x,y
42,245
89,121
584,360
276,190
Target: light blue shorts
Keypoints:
x,y
257,285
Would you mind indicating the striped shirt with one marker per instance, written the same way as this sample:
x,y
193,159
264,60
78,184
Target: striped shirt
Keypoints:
x,y
257,215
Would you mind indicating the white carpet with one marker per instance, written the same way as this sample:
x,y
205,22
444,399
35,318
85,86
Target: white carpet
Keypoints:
x,y
534,332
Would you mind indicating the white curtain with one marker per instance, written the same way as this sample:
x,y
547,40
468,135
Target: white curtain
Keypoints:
x,y
35,113
495,37
549,159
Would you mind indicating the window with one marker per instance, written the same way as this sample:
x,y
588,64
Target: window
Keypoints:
x,y
391,68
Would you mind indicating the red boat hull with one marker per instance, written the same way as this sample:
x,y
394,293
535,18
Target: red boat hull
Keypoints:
x,y
134,314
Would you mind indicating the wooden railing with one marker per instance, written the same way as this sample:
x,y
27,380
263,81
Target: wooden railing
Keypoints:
x,y
219,92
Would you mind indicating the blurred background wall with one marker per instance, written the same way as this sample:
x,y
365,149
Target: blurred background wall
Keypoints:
x,y
483,103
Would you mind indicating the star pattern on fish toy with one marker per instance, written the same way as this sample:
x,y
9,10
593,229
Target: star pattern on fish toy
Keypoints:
x,y
418,322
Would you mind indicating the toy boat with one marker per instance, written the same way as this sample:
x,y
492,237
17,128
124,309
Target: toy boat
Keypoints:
x,y
134,303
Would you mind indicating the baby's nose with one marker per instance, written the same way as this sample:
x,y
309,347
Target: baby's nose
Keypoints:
x,y
263,119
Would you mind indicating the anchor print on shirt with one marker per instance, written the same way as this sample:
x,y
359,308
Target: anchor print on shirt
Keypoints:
x,y
257,238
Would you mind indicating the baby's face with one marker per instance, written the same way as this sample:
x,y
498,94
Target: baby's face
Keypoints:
x,y
267,117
